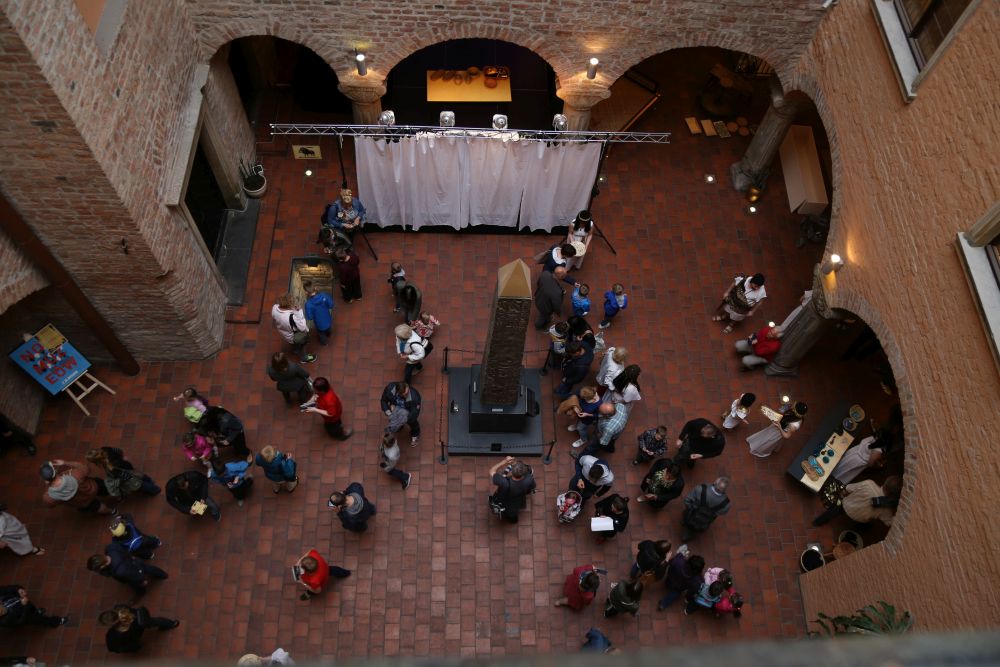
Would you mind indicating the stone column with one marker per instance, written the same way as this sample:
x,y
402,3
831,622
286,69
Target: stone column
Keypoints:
x,y
756,162
365,93
578,98
804,331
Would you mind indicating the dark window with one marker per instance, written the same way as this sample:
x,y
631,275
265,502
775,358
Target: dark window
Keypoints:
x,y
927,23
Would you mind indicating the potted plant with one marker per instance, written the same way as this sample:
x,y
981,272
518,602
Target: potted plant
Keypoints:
x,y
872,620
254,183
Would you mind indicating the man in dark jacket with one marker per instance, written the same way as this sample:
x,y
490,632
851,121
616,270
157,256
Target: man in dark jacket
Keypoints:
x,y
683,574
401,395
703,506
227,430
352,507
699,439
119,564
16,610
188,492
661,484
575,366
514,481
128,625
549,295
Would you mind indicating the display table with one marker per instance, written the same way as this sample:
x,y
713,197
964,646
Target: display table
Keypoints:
x,y
440,90
829,435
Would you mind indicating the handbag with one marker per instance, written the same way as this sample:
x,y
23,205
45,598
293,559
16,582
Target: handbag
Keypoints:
x,y
496,505
299,337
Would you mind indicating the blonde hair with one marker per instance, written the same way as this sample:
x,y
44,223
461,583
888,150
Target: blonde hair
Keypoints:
x,y
268,452
588,393
403,331
125,616
250,659
620,354
286,301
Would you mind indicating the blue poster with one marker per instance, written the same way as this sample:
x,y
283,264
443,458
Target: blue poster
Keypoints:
x,y
54,369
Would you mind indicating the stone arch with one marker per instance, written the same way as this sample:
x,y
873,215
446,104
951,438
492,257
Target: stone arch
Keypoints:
x,y
216,37
850,300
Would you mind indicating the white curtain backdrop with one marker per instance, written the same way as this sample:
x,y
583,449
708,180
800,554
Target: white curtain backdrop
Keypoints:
x,y
454,181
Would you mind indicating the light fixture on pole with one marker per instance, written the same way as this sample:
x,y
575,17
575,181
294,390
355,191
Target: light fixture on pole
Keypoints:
x,y
560,123
359,62
387,118
592,68
831,265
446,119
499,121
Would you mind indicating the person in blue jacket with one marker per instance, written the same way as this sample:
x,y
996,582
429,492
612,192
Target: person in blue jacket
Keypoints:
x,y
345,214
615,301
319,309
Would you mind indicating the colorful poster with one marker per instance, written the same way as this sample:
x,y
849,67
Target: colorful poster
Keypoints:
x,y
54,369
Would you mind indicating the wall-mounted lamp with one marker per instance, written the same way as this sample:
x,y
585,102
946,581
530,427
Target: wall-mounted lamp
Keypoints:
x,y
592,68
446,119
499,121
359,62
560,123
831,265
309,172
387,118
710,178
752,209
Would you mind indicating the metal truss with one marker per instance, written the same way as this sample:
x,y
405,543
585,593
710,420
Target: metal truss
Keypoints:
x,y
399,131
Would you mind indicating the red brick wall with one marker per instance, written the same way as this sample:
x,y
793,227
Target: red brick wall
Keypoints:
x,y
908,178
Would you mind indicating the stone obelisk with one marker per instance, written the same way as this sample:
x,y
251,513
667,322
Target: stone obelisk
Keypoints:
x,y
500,374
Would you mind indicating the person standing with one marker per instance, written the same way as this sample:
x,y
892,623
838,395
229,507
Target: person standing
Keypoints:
x,y
411,348
699,439
234,475
329,407
349,274
279,468
514,481
549,295
768,440
704,505
683,576
289,377
410,300
388,454
624,597
353,508
575,366
581,231
14,535
125,532
121,481
868,453
614,507
611,421
593,477
319,310
580,588
188,493
615,301
198,447
73,484
316,573
866,501
16,609
402,395
290,322
122,566
651,559
397,281
651,444
740,301
661,484
738,411
128,625
227,432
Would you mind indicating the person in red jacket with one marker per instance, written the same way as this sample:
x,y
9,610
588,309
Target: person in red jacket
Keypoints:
x,y
328,406
759,348
580,588
314,573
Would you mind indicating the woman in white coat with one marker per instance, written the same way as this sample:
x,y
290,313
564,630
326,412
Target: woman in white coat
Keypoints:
x,y
291,324
14,536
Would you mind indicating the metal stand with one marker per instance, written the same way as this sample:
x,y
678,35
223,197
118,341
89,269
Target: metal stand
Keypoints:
x,y
443,459
596,190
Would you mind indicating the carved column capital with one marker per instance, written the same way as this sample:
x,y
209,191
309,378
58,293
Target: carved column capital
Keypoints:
x,y
359,89
582,96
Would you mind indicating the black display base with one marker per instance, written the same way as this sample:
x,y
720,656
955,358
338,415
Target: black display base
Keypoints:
x,y
461,440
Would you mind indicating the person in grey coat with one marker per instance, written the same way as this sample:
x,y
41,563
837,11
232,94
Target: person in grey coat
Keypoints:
x,y
549,295
289,377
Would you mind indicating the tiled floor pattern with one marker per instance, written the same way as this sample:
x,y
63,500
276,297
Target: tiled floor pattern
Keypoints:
x,y
436,574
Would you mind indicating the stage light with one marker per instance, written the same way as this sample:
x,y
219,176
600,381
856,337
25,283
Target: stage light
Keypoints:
x,y
387,118
592,68
560,123
447,119
499,122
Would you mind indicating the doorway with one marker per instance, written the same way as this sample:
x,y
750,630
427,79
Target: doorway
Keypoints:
x,y
204,201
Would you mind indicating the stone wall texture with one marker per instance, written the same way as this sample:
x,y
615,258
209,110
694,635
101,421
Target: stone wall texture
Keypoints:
x,y
909,177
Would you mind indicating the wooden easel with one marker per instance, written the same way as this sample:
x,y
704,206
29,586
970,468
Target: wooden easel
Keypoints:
x,y
79,389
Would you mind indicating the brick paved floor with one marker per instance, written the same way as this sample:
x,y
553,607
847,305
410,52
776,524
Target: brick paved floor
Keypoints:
x,y
436,574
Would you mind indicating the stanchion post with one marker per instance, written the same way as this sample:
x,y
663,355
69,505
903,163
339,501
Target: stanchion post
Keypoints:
x,y
547,459
544,370
444,454
444,364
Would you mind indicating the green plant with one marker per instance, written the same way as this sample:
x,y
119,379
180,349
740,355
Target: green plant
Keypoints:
x,y
251,175
875,619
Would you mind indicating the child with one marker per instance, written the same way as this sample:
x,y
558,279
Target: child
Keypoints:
x,y
581,304
319,309
397,276
614,301
388,454
195,404
559,333
738,411
652,444
424,327
198,447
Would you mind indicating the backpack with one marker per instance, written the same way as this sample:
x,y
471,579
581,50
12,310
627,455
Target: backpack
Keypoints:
x,y
702,516
427,345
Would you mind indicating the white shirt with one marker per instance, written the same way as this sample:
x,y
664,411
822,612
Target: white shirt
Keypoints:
x,y
609,369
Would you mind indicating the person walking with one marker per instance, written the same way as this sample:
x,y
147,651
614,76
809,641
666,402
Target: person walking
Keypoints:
x,y
580,588
128,625
227,432
290,322
315,574
73,484
125,532
581,231
651,559
410,300
119,481
741,300
349,273
411,348
704,505
234,475
289,377
16,610
319,310
397,395
188,493
388,455
122,566
14,535
683,575
661,484
593,477
738,411
614,507
353,508
279,468
549,295
615,301
652,444
624,597
198,447
768,440
329,407
514,480
699,439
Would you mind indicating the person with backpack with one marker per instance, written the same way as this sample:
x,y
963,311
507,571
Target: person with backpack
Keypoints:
x,y
319,310
125,532
400,395
514,481
290,322
703,505
279,468
411,348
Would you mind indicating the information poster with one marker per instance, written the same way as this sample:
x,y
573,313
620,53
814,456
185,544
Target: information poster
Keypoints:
x,y
54,368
